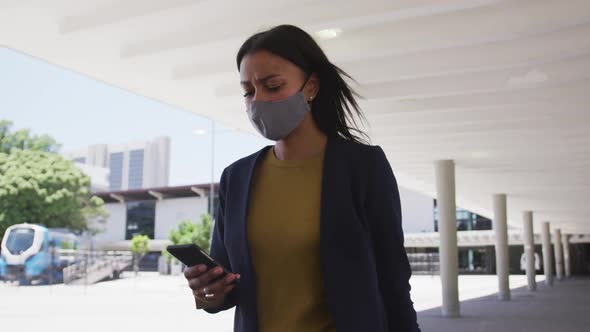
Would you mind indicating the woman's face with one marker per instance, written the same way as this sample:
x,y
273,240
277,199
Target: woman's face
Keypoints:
x,y
267,77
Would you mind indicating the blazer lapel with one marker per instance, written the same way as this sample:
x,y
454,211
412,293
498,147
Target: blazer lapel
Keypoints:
x,y
331,178
249,278
245,202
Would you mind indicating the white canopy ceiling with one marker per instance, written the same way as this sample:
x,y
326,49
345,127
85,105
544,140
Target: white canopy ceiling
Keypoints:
x,y
501,87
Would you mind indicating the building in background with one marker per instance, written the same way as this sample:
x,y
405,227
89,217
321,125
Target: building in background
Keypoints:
x,y
152,212
99,176
132,165
417,211
466,220
156,211
420,214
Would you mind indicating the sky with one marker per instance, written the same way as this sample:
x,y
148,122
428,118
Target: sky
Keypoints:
x,y
78,111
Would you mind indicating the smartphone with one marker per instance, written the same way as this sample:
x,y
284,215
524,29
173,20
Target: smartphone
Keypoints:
x,y
191,255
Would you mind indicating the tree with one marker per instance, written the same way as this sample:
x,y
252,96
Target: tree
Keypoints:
x,y
139,247
23,140
39,186
189,232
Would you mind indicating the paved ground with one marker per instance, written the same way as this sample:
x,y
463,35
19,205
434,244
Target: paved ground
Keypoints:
x,y
163,303
565,307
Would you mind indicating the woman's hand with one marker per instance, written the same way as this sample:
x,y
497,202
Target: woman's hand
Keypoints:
x,y
200,281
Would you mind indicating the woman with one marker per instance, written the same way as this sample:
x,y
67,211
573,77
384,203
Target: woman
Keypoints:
x,y
312,225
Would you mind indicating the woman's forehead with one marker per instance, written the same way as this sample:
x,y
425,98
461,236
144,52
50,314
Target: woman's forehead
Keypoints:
x,y
263,64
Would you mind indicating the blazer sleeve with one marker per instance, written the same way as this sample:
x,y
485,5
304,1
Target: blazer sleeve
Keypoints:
x,y
385,222
218,250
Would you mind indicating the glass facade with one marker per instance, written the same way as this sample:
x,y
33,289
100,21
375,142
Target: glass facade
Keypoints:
x,y
141,216
477,260
466,220
136,169
116,170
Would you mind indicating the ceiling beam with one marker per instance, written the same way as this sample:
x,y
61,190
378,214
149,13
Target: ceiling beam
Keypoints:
x,y
312,19
567,92
527,124
449,31
478,150
563,43
9,4
116,12
542,49
518,77
483,114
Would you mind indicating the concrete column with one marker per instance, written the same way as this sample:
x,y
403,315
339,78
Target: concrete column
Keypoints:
x,y
566,255
502,262
447,229
529,249
547,261
558,254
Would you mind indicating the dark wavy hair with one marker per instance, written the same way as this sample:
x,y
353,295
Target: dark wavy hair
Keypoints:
x,y
334,109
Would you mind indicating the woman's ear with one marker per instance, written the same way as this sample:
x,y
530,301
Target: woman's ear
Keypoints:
x,y
312,87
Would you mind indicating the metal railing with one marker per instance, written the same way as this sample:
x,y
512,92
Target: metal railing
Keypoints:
x,y
424,263
89,267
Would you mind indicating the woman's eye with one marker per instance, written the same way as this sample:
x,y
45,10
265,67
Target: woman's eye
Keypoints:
x,y
274,88
248,94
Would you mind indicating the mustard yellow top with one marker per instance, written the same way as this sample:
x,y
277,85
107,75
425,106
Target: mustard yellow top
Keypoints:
x,y
283,230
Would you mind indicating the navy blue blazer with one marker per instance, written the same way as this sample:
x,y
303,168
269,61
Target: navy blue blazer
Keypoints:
x,y
364,263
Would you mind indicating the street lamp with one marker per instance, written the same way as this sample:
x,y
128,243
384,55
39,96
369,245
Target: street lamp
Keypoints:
x,y
202,132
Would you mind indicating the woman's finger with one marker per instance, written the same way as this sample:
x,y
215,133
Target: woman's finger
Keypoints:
x,y
220,287
205,279
228,289
194,271
211,275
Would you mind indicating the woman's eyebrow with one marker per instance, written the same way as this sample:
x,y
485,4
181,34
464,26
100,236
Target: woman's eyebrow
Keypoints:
x,y
263,79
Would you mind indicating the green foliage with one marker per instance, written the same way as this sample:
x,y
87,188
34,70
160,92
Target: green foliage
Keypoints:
x,y
139,244
189,232
139,247
41,187
67,245
23,140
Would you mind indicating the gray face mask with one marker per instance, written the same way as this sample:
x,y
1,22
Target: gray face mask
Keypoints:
x,y
277,119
